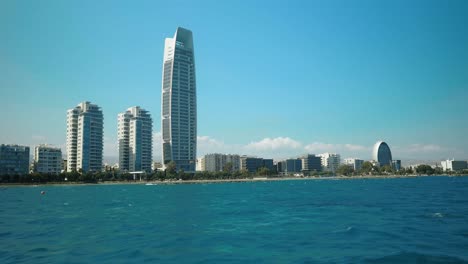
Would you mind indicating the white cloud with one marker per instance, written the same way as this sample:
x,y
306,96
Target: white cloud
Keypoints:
x,y
206,141
356,147
320,147
424,148
274,144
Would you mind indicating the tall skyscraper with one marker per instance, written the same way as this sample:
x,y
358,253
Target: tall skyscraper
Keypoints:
x,y
135,128
179,102
85,125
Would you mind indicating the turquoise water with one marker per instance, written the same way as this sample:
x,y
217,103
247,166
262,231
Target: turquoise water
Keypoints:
x,y
417,220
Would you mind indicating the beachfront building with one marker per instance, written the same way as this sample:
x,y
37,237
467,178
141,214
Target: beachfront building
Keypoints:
x,y
179,102
135,137
330,161
292,166
252,164
311,162
354,163
454,165
47,159
382,154
396,165
217,162
85,129
14,160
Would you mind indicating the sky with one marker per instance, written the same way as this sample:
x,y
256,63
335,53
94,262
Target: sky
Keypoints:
x,y
275,79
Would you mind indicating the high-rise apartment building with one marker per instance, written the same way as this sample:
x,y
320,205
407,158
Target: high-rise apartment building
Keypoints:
x,y
179,101
85,124
14,160
135,128
47,159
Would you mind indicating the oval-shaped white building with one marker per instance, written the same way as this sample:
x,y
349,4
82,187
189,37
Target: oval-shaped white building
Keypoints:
x,y
382,153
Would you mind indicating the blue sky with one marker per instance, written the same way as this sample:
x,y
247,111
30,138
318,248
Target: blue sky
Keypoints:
x,y
274,78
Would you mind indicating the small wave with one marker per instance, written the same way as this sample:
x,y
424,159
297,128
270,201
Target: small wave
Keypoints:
x,y
438,215
346,230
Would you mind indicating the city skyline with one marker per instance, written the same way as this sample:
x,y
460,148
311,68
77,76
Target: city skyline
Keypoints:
x,y
339,88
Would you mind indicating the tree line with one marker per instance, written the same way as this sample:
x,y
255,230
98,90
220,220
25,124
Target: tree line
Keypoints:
x,y
171,174
368,168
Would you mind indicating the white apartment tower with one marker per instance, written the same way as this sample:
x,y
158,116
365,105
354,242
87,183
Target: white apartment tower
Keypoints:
x,y
47,159
179,101
135,129
85,124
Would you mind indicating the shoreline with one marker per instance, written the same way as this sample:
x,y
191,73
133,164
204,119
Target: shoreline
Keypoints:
x,y
254,179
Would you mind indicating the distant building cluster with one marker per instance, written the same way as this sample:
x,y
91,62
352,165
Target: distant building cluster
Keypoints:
x,y
310,163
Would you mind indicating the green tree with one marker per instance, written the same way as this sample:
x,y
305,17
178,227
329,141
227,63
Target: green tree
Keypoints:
x,y
171,168
345,170
228,167
387,169
263,171
245,174
424,169
366,167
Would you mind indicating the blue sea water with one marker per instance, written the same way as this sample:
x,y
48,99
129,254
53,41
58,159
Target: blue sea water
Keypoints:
x,y
406,220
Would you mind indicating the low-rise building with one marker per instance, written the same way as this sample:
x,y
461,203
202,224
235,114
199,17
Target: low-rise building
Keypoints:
x,y
47,159
454,165
217,162
292,166
356,164
396,165
330,161
252,164
311,162
14,160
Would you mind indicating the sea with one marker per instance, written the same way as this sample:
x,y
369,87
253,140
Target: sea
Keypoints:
x,y
398,220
